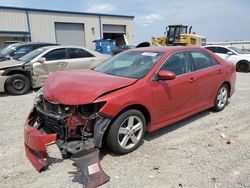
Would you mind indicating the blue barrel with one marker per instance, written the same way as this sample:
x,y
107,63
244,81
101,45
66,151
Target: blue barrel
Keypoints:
x,y
105,46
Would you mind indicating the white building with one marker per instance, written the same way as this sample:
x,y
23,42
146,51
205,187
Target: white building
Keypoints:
x,y
62,27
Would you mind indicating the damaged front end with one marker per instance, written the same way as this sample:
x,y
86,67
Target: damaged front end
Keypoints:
x,y
76,129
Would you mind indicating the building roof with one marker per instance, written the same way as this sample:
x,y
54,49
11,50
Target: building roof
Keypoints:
x,y
62,11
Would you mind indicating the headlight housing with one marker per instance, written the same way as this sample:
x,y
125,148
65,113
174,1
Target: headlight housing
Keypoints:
x,y
38,97
87,110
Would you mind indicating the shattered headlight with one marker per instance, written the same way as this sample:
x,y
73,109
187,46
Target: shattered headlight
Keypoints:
x,y
38,96
88,110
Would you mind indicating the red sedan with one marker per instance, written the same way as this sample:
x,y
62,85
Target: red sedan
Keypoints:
x,y
138,90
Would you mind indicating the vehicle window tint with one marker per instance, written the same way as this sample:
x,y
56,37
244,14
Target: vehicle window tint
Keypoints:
x,y
178,63
56,55
212,49
201,60
22,51
222,50
78,53
214,62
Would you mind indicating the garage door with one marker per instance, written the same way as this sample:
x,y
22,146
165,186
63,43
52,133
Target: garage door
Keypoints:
x,y
70,34
114,28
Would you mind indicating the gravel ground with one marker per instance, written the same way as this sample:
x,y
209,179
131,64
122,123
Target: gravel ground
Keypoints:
x,y
191,153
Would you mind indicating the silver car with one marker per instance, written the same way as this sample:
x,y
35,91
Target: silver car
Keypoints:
x,y
31,70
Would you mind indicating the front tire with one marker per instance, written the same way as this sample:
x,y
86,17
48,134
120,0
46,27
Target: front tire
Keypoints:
x,y
17,84
221,98
126,132
243,66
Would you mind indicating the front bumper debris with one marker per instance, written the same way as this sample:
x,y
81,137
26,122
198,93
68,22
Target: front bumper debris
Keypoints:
x,y
35,146
86,158
2,82
88,162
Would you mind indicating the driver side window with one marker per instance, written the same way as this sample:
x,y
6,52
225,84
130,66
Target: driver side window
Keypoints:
x,y
178,63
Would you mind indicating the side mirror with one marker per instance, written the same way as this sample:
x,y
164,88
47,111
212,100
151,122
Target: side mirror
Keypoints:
x,y
230,53
42,60
165,75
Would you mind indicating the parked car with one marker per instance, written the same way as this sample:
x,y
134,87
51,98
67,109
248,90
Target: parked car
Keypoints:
x,y
18,50
234,55
139,90
18,76
122,48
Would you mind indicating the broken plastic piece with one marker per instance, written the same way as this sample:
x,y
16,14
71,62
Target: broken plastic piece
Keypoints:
x,y
89,164
229,142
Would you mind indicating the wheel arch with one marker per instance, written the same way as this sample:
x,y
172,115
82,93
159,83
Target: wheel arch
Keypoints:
x,y
241,61
138,107
23,72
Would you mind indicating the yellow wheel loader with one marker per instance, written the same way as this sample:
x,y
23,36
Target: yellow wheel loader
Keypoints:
x,y
179,35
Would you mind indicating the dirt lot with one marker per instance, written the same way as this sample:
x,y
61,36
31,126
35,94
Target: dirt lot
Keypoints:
x,y
191,153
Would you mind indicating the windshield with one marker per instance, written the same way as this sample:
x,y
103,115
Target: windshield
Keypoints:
x,y
30,56
133,64
237,50
8,50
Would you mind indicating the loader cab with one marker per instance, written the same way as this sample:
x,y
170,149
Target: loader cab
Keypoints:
x,y
174,32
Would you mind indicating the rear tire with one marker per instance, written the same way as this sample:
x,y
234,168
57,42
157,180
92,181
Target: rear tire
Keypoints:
x,y
221,98
17,84
126,132
243,66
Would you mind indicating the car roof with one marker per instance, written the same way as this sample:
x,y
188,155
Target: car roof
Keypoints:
x,y
215,45
54,47
63,46
166,48
31,43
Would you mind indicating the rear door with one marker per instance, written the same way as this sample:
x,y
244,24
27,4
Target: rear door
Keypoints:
x,y
80,58
173,98
55,61
209,74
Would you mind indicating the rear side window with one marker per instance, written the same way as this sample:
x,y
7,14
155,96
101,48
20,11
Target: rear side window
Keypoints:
x,y
201,60
221,50
78,53
212,49
178,63
56,55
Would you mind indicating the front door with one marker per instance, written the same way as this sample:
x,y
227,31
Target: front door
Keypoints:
x,y
55,60
172,98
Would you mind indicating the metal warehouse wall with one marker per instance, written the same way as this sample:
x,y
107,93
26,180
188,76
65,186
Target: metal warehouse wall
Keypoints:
x,y
41,23
13,20
42,26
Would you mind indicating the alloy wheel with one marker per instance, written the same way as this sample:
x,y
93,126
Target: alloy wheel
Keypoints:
x,y
130,132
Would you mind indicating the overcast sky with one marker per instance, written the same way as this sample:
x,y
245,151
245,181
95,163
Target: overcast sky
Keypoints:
x,y
217,20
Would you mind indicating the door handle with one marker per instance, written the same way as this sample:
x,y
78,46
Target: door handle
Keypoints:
x,y
191,80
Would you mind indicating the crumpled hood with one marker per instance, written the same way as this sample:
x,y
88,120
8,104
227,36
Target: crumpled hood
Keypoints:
x,y
10,63
81,87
